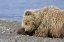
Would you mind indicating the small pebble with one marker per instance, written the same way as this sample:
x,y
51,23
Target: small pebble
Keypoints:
x,y
3,32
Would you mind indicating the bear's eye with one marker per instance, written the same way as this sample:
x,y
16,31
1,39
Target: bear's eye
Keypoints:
x,y
25,23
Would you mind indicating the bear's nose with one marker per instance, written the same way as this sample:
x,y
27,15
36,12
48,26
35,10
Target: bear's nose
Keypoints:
x,y
27,32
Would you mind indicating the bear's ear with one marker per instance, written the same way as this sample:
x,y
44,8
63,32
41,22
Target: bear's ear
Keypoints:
x,y
27,13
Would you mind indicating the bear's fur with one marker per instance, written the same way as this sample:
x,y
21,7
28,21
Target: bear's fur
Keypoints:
x,y
48,21
20,31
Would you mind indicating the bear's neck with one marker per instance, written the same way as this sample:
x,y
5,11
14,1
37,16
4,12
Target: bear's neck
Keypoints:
x,y
38,20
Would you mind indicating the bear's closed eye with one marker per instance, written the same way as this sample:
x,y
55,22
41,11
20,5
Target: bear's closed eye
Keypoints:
x,y
25,23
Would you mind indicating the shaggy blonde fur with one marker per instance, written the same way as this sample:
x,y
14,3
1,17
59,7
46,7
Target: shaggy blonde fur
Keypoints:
x,y
45,22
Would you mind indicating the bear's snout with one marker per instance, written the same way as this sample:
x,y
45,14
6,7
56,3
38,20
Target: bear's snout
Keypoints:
x,y
27,32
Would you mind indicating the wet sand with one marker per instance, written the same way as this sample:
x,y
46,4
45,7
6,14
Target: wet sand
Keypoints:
x,y
7,34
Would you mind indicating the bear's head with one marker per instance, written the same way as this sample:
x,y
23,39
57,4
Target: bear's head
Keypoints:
x,y
30,21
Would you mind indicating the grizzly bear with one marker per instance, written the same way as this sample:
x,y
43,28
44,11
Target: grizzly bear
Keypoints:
x,y
45,22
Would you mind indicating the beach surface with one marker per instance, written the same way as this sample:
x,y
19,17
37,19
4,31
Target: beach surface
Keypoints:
x,y
7,34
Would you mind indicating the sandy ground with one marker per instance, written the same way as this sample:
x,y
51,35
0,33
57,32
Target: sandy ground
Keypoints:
x,y
7,34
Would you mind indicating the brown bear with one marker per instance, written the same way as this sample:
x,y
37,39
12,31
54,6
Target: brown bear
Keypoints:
x,y
45,22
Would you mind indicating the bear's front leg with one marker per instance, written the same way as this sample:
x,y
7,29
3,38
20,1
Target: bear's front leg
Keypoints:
x,y
42,31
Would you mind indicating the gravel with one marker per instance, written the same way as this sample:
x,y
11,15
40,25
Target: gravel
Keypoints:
x,y
7,34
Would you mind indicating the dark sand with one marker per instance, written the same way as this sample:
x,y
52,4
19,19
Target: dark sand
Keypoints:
x,y
7,34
